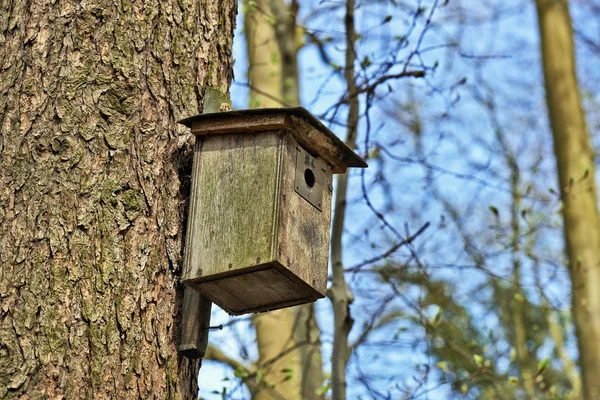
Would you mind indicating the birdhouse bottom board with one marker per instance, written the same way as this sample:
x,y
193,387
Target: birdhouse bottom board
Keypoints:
x,y
260,210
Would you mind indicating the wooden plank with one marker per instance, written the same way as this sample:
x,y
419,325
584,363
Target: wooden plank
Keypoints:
x,y
195,321
315,137
259,123
233,225
196,308
303,230
258,290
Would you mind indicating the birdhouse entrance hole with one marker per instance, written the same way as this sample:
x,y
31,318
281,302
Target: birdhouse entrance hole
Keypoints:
x,y
310,179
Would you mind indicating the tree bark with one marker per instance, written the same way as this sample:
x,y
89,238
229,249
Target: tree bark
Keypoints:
x,y
577,180
93,189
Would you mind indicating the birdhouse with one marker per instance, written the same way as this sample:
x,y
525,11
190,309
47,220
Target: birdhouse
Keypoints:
x,y
260,207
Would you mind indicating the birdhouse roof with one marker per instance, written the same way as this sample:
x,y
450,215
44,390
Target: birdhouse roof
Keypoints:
x,y
308,131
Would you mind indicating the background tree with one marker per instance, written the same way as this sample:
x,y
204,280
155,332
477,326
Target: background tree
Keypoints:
x,y
92,199
577,180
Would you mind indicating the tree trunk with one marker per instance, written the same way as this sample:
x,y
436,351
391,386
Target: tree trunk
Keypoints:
x,y
577,180
92,202
340,293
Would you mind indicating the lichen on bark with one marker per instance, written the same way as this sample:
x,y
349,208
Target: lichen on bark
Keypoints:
x,y
91,207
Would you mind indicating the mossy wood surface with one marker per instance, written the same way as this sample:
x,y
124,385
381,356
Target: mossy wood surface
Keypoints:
x,y
256,244
234,200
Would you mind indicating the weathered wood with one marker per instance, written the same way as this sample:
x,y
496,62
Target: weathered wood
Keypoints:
x,y
303,230
196,308
195,321
234,198
310,133
263,288
256,242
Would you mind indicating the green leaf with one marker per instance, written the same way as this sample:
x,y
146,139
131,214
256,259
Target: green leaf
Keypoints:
x,y
478,360
542,366
519,297
259,374
513,380
443,365
494,210
240,372
322,391
274,58
335,66
387,19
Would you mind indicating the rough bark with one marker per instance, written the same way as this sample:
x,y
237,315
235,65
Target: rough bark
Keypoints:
x,y
577,180
280,367
340,294
285,33
91,193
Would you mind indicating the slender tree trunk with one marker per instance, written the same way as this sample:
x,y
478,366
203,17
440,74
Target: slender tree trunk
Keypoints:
x,y
525,360
91,200
577,180
340,293
287,43
274,330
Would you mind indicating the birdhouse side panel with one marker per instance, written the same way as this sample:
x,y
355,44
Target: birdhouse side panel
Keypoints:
x,y
303,228
234,217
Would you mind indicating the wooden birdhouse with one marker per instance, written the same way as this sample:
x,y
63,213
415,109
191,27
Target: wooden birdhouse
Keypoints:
x,y
260,207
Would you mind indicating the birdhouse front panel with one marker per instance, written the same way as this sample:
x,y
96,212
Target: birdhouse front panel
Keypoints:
x,y
260,208
237,176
